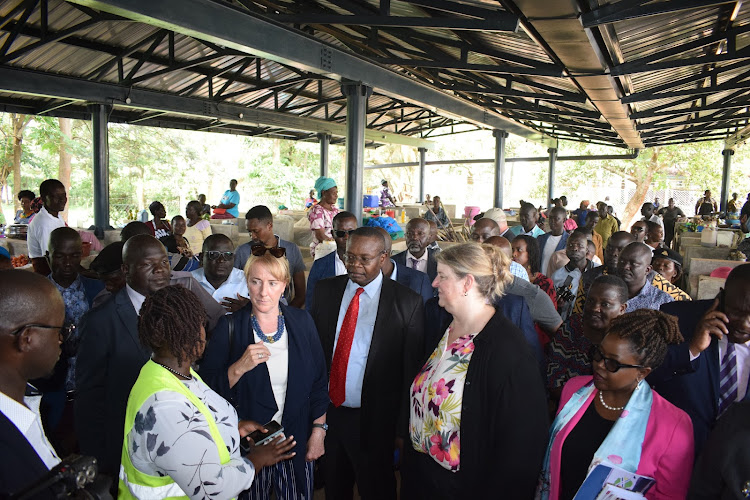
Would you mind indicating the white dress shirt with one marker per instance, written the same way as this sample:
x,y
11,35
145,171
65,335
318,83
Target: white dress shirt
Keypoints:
x,y
136,299
29,422
368,311
233,285
39,230
742,353
417,263
550,247
339,264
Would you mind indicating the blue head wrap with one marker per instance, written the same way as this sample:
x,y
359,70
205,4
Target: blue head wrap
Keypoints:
x,y
324,184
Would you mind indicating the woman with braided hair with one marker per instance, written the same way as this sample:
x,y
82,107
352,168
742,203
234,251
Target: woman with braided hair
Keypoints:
x,y
478,419
181,438
614,418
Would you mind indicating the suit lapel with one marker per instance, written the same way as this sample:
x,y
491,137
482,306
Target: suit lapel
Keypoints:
x,y
128,316
383,320
328,334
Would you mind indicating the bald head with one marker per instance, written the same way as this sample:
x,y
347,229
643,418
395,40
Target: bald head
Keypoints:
x,y
139,245
483,229
25,298
501,243
634,265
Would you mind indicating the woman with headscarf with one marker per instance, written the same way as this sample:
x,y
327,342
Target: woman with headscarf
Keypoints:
x,y
182,440
321,215
615,419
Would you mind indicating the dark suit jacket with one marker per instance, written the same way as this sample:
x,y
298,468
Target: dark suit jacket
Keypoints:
x,y
21,464
322,268
542,240
396,338
723,469
419,282
692,387
252,395
400,259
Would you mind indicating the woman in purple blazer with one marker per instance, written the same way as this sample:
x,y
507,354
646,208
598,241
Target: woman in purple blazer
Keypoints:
x,y
615,418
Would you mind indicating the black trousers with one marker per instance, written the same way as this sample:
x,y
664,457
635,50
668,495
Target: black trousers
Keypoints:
x,y
347,463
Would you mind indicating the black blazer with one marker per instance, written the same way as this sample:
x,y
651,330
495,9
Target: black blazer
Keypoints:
x,y
400,259
110,358
397,337
692,387
419,282
21,464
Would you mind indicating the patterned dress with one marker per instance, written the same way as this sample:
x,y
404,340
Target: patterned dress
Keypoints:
x,y
436,399
321,218
567,353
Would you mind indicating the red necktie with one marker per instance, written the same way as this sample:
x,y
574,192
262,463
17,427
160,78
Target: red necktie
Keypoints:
x,y
337,383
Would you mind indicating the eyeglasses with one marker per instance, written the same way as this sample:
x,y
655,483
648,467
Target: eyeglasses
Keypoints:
x,y
65,331
363,260
259,250
213,255
612,365
340,234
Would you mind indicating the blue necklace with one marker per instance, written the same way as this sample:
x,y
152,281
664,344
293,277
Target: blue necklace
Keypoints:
x,y
263,336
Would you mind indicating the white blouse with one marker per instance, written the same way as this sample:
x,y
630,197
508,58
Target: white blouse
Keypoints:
x,y
278,369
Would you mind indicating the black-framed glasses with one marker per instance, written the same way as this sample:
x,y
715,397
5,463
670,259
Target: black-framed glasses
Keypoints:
x,y
65,331
259,250
339,233
214,254
612,365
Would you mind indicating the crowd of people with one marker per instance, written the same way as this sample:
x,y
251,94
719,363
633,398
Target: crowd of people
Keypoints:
x,y
513,366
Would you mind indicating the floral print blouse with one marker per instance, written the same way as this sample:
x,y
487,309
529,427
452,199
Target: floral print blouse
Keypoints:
x,y
321,218
436,399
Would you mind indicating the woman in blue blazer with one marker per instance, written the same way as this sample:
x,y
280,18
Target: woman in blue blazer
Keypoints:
x,y
267,360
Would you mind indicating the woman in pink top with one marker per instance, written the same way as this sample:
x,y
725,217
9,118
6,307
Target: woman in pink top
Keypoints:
x,y
614,418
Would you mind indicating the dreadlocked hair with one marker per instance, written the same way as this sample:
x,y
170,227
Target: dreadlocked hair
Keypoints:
x,y
172,317
649,332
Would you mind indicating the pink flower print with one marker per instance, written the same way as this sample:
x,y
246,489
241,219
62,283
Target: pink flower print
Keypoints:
x,y
453,452
436,450
463,345
615,459
438,393
419,382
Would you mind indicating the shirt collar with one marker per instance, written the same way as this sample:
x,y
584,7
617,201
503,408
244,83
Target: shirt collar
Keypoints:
x,y
73,286
136,299
423,257
371,288
394,273
21,416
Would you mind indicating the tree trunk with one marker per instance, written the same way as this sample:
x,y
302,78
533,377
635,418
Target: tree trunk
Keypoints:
x,y
633,208
19,123
63,175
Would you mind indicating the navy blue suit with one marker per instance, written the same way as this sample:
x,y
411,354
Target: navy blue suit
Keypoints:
x,y
513,307
419,282
692,387
322,268
400,259
542,240
252,395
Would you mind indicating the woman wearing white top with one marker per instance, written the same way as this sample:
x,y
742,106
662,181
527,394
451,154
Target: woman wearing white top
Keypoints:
x,y
269,362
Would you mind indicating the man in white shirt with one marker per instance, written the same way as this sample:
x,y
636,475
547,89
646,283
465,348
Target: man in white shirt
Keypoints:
x,y
32,315
553,241
578,264
218,276
417,256
647,211
48,219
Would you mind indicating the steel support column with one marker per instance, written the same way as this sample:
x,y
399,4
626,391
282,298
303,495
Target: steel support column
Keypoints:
x,y
422,172
325,140
500,136
551,179
356,94
100,140
725,178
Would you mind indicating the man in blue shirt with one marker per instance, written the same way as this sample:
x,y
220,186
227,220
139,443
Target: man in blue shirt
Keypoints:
x,y
229,202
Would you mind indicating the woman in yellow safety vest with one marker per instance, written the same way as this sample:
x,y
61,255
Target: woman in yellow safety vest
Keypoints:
x,y
181,438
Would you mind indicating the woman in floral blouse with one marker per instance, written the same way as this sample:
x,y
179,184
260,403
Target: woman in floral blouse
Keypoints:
x,y
321,215
183,439
477,422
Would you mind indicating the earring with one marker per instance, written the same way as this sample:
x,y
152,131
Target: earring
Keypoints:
x,y
466,293
637,387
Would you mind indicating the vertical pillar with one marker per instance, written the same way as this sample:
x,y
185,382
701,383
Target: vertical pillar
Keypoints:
x,y
500,136
356,94
100,140
325,140
551,180
727,153
422,172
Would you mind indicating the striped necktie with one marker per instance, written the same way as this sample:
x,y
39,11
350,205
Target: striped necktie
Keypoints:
x,y
728,379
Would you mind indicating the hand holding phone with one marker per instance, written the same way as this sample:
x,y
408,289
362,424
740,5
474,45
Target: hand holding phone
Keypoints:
x,y
713,324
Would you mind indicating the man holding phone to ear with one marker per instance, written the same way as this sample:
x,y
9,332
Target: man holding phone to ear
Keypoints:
x,y
709,371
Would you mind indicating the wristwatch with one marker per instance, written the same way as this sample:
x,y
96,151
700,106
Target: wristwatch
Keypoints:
x,y
321,426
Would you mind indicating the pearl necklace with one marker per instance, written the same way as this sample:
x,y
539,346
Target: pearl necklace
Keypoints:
x,y
266,338
612,408
186,377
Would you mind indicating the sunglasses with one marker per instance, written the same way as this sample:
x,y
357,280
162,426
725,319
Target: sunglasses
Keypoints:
x,y
213,255
340,234
65,331
259,250
612,365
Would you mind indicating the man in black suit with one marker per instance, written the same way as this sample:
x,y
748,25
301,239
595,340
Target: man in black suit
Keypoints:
x,y
110,355
32,314
372,355
690,377
417,256
419,282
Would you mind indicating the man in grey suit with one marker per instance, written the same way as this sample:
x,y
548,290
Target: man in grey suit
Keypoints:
x,y
110,355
